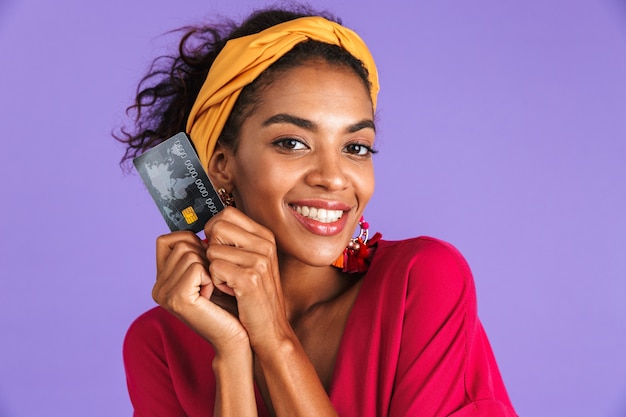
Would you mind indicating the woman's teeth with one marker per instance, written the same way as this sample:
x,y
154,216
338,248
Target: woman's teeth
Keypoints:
x,y
319,214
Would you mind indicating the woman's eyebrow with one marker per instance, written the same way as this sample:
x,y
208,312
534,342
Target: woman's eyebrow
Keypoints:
x,y
363,124
290,119
309,125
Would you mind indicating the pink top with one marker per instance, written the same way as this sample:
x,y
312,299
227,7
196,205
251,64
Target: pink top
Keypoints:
x,y
413,346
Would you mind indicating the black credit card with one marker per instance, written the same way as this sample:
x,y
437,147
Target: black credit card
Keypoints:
x,y
178,184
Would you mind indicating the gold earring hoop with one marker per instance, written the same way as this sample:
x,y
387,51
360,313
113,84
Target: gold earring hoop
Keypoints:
x,y
226,197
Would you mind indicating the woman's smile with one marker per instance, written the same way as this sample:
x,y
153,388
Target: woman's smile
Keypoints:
x,y
322,218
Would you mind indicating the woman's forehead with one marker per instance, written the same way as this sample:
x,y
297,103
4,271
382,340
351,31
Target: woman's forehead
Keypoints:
x,y
317,83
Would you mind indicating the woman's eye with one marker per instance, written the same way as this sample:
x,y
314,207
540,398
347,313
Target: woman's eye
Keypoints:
x,y
290,144
359,149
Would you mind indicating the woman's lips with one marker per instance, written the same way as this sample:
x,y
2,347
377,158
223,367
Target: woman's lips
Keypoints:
x,y
322,218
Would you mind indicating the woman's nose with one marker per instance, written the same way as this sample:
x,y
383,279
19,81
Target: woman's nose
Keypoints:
x,y
327,171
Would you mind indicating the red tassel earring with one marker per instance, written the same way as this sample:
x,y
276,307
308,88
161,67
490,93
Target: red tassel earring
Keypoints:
x,y
359,252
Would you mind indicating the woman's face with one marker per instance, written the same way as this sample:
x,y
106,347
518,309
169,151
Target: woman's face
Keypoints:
x,y
303,166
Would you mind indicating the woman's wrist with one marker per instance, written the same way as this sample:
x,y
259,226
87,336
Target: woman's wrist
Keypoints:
x,y
292,381
232,354
234,377
277,340
276,350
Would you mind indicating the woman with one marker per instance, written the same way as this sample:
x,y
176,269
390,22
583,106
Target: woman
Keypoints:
x,y
279,311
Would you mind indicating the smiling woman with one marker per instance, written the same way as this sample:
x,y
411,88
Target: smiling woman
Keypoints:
x,y
269,315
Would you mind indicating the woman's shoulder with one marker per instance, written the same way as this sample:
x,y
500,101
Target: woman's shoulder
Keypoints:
x,y
422,251
166,365
153,322
157,330
430,264
147,331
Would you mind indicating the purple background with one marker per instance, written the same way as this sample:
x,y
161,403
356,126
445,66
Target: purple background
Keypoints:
x,y
502,130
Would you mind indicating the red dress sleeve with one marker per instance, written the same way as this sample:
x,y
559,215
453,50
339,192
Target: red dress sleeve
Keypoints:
x,y
413,344
445,365
168,368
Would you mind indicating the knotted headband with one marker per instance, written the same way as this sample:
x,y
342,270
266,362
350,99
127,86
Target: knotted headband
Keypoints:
x,y
243,59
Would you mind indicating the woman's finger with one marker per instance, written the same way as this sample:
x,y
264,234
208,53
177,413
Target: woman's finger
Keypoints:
x,y
165,244
228,225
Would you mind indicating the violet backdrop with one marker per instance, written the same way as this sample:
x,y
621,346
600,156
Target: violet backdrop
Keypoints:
x,y
501,129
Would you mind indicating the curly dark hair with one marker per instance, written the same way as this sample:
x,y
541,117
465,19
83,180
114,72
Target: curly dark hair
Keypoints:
x,y
167,93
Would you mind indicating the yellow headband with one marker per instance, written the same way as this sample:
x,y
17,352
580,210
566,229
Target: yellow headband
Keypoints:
x,y
243,59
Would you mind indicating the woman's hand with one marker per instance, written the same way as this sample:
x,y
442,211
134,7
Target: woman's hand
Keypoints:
x,y
184,287
228,288
242,262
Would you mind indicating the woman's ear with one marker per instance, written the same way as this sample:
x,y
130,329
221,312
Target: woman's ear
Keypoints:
x,y
220,167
